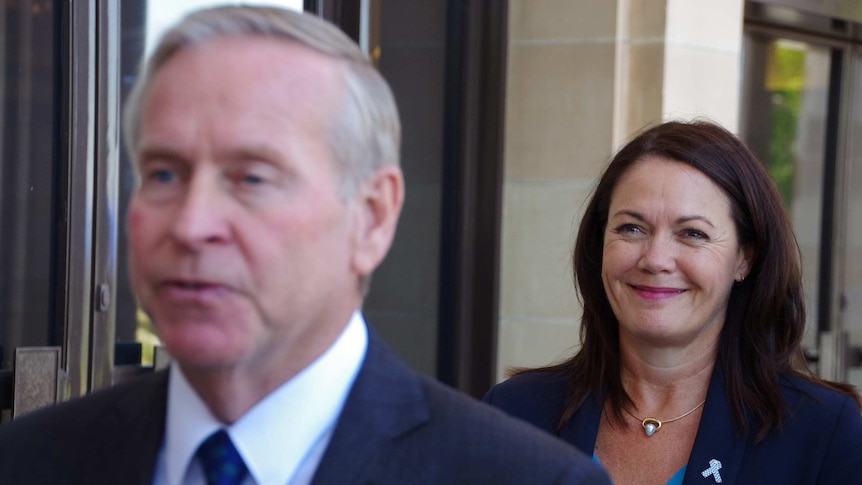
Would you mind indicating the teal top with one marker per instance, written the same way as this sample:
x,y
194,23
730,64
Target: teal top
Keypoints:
x,y
676,479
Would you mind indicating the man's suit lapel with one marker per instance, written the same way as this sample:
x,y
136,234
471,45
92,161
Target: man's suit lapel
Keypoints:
x,y
386,401
130,434
718,447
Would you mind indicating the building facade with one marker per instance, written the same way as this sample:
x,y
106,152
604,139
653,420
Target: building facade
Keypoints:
x,y
510,110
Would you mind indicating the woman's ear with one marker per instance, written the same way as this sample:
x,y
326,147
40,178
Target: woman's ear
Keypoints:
x,y
743,265
379,201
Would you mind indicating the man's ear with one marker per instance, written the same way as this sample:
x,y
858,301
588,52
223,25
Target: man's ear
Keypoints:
x,y
379,202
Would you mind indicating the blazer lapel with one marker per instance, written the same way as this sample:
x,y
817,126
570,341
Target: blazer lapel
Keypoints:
x,y
718,448
386,401
583,428
131,433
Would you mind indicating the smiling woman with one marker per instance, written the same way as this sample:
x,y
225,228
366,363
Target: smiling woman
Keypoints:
x,y
690,364
671,253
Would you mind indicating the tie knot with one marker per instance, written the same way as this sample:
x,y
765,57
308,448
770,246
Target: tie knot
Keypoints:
x,y
221,462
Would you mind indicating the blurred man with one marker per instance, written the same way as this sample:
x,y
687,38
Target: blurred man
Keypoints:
x,y
266,149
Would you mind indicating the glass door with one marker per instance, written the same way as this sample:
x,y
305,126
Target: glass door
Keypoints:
x,y
851,227
802,116
29,144
45,201
785,114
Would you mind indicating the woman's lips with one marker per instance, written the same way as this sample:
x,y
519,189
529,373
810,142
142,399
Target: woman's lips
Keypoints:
x,y
656,292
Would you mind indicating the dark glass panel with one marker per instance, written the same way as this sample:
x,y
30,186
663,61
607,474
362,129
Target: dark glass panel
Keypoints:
x,y
30,199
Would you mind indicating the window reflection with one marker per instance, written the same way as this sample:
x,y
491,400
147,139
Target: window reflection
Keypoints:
x,y
785,95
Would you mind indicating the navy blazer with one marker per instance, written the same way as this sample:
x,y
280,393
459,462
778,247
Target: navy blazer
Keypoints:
x,y
396,427
820,442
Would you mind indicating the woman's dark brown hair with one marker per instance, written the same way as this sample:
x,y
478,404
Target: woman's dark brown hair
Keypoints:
x,y
765,319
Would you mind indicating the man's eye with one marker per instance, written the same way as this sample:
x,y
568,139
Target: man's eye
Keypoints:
x,y
253,176
251,179
163,176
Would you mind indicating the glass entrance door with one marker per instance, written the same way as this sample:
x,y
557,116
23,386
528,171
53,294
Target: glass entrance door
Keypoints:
x,y
29,205
851,227
30,202
785,114
802,116
45,200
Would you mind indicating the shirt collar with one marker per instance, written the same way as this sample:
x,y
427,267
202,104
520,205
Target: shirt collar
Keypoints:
x,y
276,434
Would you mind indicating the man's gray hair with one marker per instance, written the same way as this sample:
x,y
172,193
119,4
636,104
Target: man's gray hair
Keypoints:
x,y
367,132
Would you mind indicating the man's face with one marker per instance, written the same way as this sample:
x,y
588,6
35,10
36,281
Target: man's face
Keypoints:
x,y
241,248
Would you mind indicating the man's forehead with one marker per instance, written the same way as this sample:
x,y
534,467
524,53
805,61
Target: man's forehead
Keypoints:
x,y
253,47
238,66
249,90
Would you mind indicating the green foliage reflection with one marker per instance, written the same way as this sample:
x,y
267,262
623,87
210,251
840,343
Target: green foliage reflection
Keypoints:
x,y
787,77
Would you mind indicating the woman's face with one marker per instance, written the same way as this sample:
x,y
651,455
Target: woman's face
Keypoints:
x,y
671,255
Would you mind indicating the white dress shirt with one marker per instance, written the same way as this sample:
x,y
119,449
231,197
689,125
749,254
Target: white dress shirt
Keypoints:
x,y
283,437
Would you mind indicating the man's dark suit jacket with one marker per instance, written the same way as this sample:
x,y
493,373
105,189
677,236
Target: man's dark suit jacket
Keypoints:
x,y
397,427
821,440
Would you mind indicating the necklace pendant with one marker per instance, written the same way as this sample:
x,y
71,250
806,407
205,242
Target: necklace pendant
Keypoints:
x,y
651,425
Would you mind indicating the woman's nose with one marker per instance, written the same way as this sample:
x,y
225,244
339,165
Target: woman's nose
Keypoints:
x,y
658,255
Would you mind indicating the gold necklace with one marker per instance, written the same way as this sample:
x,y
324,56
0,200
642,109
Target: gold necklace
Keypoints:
x,y
651,425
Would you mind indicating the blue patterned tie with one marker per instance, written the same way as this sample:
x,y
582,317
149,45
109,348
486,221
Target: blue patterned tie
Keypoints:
x,y
221,462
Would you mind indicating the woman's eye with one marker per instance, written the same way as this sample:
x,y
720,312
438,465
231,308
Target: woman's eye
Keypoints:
x,y
630,229
695,234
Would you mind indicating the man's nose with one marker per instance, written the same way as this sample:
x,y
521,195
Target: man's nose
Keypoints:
x,y
658,255
202,217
